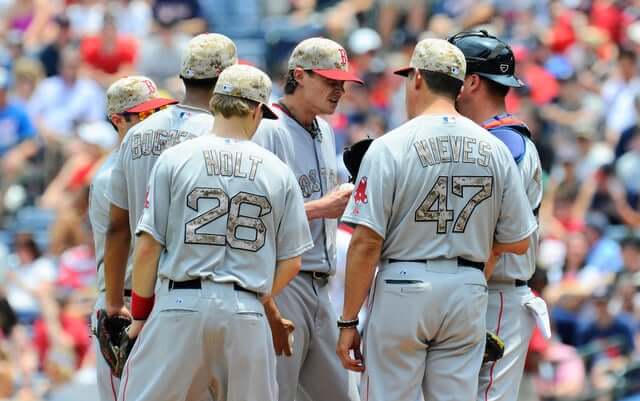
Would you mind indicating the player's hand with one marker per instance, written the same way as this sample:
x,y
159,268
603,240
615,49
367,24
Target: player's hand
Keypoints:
x,y
335,202
135,328
281,328
118,310
282,333
348,341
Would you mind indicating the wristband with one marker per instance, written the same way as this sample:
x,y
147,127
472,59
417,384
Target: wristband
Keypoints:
x,y
141,306
348,324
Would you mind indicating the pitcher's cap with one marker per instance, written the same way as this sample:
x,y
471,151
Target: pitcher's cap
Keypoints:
x,y
324,57
207,55
437,55
134,94
246,82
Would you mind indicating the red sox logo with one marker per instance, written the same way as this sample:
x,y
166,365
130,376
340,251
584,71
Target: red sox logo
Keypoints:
x,y
360,195
150,87
343,56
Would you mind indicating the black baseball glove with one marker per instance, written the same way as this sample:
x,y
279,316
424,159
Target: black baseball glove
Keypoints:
x,y
115,344
494,349
353,155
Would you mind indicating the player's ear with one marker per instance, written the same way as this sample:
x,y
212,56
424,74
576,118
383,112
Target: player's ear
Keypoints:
x,y
472,83
116,118
417,77
298,74
257,114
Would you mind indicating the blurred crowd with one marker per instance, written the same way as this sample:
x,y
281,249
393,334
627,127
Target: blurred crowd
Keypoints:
x,y
579,59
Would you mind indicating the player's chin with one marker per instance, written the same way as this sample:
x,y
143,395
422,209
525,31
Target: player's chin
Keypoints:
x,y
330,105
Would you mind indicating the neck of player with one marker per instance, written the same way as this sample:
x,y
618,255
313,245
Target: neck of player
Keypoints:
x,y
197,98
435,105
295,105
240,128
485,109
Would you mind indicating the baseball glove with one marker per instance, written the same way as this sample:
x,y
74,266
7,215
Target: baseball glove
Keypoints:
x,y
353,155
115,344
494,349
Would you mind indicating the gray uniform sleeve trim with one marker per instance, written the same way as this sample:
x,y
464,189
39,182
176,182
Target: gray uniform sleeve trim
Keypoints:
x,y
364,222
517,238
111,200
147,229
297,252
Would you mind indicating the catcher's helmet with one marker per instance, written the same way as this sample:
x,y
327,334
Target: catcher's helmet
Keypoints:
x,y
488,57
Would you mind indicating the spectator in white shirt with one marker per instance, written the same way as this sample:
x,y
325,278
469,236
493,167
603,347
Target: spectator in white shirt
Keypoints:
x,y
63,101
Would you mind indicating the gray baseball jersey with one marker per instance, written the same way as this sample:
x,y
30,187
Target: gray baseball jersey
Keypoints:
x,y
142,146
225,210
313,161
521,267
99,215
435,187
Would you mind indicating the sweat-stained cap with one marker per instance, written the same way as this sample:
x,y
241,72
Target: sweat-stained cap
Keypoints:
x,y
134,94
207,55
437,55
246,82
324,57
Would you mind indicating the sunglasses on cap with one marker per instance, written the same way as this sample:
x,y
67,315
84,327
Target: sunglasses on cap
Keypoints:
x,y
144,114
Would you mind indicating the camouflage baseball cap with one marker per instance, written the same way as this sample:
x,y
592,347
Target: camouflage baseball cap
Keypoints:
x,y
134,94
437,55
246,82
207,55
324,57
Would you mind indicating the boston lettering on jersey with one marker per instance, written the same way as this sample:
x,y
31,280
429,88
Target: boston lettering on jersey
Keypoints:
x,y
452,149
310,183
153,142
227,164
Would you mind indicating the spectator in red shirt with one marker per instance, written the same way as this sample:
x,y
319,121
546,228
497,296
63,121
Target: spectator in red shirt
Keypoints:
x,y
109,55
62,328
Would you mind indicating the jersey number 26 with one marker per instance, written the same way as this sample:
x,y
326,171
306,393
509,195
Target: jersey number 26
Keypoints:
x,y
235,220
439,194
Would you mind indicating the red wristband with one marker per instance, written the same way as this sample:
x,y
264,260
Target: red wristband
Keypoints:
x,y
141,306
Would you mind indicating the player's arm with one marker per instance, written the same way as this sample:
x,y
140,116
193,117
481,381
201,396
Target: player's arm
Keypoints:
x,y
145,271
281,327
519,248
330,206
362,258
115,259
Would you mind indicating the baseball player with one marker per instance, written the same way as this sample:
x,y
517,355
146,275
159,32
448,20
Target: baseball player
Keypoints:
x,y
434,200
129,100
318,69
220,214
490,75
205,57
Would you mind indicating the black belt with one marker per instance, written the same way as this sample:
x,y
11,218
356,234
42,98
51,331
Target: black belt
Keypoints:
x,y
461,262
196,284
520,283
127,292
317,275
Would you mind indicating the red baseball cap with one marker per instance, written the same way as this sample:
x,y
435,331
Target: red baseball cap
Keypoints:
x,y
324,57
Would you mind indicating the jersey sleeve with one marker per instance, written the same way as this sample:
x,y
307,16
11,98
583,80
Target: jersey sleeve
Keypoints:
x,y
371,201
293,236
155,215
266,136
117,193
516,221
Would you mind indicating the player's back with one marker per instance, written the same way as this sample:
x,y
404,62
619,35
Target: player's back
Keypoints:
x,y
449,179
228,198
99,213
142,146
